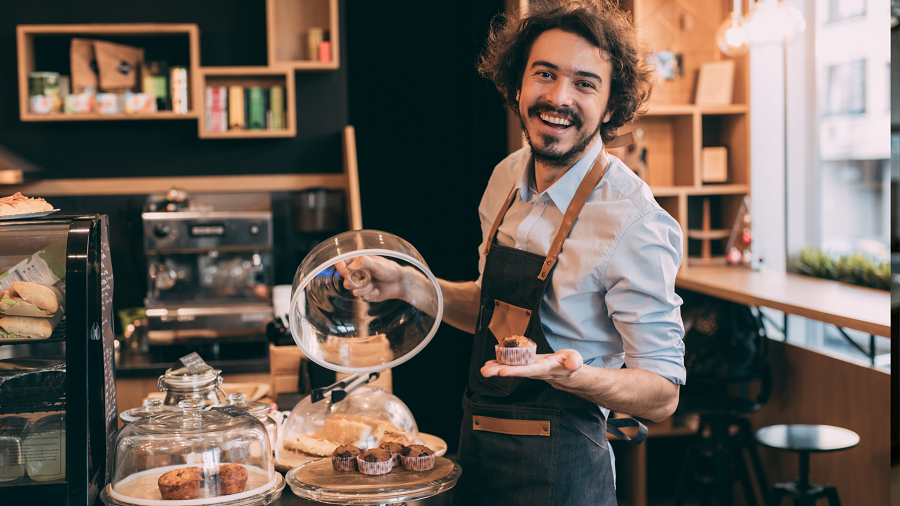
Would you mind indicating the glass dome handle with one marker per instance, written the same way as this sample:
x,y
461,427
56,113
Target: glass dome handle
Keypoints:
x,y
360,276
153,404
237,398
191,409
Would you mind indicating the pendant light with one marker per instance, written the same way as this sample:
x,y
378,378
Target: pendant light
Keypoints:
x,y
774,22
732,37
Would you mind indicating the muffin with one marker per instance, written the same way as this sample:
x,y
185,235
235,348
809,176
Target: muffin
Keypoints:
x,y
417,458
394,448
344,458
375,461
516,350
231,479
181,484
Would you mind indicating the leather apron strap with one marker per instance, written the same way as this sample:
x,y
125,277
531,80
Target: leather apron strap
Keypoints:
x,y
578,200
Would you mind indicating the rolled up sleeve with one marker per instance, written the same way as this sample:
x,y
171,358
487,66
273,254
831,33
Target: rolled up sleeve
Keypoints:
x,y
640,295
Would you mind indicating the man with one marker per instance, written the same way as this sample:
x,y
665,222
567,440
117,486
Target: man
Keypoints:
x,y
593,293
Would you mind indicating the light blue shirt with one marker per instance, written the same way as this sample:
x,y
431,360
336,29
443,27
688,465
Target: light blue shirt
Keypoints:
x,y
612,294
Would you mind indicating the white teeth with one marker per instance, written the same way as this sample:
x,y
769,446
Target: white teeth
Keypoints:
x,y
555,121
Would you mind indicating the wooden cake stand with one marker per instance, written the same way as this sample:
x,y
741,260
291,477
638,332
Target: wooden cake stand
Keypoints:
x,y
318,481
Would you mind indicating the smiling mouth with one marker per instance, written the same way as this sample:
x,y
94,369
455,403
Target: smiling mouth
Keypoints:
x,y
555,121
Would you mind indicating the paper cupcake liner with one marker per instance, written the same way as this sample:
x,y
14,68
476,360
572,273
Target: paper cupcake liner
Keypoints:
x,y
418,463
374,467
343,463
515,356
395,459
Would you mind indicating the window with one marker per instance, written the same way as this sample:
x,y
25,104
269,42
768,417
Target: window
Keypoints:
x,y
845,88
839,10
838,141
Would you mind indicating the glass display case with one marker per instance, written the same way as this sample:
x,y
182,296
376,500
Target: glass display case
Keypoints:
x,y
215,456
57,375
367,417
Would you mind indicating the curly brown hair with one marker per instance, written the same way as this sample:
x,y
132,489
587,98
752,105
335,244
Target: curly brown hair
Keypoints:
x,y
601,23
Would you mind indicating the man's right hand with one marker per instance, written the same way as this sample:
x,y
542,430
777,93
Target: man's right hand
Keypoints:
x,y
386,280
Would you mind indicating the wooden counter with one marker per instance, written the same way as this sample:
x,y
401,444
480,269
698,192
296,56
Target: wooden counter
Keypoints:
x,y
847,306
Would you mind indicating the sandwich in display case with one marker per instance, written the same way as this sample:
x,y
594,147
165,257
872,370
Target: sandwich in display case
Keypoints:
x,y
57,378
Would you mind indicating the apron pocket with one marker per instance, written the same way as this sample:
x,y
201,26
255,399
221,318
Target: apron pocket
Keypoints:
x,y
508,457
508,320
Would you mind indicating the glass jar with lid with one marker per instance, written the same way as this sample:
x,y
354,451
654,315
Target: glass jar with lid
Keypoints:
x,y
152,406
181,384
214,456
259,410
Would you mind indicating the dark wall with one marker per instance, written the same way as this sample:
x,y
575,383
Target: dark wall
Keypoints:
x,y
429,131
232,32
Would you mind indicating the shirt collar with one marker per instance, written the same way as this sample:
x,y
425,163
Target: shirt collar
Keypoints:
x,y
563,190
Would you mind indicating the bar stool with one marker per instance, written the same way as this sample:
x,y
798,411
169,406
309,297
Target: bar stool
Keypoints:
x,y
805,439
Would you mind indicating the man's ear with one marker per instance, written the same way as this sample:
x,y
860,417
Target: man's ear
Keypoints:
x,y
518,94
609,113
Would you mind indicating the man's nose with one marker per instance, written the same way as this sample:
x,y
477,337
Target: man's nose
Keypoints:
x,y
560,94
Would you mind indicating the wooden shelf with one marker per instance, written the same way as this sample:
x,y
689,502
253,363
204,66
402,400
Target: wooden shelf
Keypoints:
x,y
288,23
709,234
96,116
249,76
25,42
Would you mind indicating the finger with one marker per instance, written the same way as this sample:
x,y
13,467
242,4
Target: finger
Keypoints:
x,y
342,268
571,359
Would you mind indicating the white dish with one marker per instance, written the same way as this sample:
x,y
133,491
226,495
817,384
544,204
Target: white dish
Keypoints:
x,y
26,215
145,484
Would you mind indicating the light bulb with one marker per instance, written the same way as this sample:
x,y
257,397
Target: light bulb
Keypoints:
x,y
732,36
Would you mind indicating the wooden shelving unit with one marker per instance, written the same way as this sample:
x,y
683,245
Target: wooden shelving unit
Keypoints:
x,y
249,76
288,23
29,36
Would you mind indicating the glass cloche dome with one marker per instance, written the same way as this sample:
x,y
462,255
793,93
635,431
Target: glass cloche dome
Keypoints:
x,y
367,417
346,333
194,457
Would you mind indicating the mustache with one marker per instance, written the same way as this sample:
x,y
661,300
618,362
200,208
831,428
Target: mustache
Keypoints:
x,y
566,112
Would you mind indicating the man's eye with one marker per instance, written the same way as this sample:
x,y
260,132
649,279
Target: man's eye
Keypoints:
x,y
545,75
587,85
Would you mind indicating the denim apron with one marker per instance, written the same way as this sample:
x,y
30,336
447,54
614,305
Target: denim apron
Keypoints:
x,y
522,441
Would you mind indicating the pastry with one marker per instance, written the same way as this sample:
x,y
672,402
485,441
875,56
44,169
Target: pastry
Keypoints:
x,y
378,427
417,458
180,484
344,458
516,350
375,461
347,432
306,443
230,479
394,448
20,204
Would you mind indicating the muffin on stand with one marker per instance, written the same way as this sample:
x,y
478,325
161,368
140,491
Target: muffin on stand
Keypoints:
x,y
417,458
516,350
344,458
394,448
180,484
375,461
231,479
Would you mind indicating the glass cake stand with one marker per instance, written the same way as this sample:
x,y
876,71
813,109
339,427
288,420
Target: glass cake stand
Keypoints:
x,y
318,481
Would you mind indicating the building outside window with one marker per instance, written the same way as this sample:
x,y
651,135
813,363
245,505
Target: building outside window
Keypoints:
x,y
838,125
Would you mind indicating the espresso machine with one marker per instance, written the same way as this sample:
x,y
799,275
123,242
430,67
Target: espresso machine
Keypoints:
x,y
209,265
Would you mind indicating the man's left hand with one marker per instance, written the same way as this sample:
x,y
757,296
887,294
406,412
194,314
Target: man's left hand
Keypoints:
x,y
554,368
